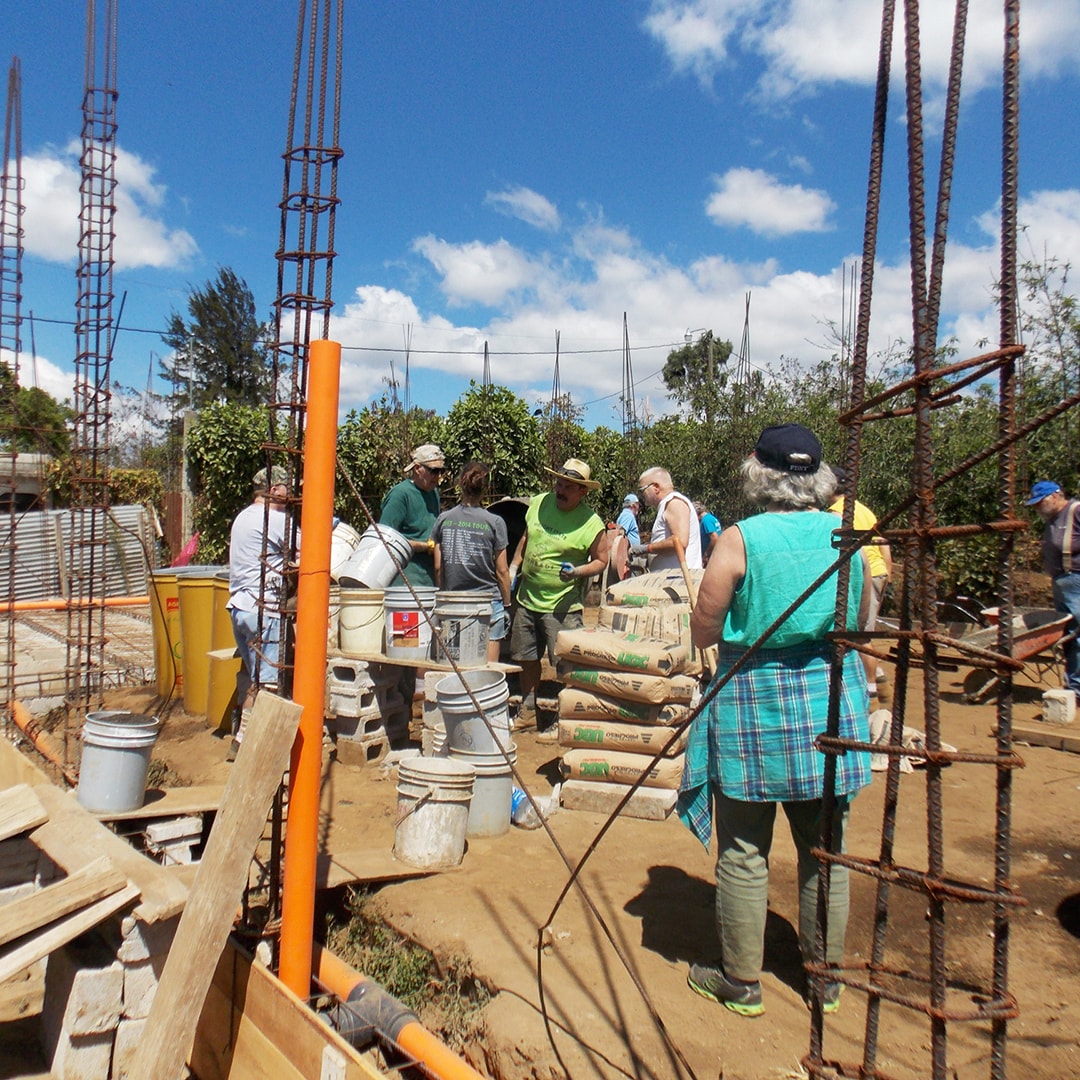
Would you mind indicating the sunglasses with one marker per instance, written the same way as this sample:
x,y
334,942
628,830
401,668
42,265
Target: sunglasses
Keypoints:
x,y
437,472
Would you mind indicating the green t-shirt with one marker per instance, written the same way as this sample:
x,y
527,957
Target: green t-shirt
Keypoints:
x,y
412,512
555,536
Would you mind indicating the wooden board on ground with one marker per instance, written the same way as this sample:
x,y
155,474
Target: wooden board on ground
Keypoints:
x,y
73,838
20,810
86,886
253,1025
351,867
170,802
1052,735
17,959
219,885
23,995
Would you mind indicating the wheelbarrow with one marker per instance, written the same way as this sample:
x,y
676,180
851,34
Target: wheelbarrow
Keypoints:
x,y
1038,634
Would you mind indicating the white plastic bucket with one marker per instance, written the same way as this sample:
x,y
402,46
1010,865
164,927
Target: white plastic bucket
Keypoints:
x,y
360,624
465,727
493,789
116,747
434,795
344,540
464,622
408,625
370,566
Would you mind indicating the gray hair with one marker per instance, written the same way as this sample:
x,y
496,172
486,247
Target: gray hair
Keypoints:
x,y
764,486
656,475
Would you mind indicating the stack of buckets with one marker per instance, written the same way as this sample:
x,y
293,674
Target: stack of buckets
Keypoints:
x,y
116,748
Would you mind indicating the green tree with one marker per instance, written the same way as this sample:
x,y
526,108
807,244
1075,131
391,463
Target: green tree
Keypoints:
x,y
35,421
492,424
695,374
225,449
219,353
370,455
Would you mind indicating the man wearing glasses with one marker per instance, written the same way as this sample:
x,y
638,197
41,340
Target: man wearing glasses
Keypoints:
x,y
676,519
411,508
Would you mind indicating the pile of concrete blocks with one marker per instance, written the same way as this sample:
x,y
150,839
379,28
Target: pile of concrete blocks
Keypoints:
x,y
98,993
366,709
171,842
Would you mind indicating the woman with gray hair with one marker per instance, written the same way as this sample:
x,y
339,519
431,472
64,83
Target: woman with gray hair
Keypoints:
x,y
754,746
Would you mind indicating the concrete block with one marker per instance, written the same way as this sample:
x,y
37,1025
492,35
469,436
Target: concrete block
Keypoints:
x,y
1059,706
359,727
140,985
141,941
601,797
17,892
431,680
128,1036
84,987
82,1057
363,751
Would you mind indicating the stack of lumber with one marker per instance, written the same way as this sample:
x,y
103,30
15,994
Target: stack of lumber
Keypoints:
x,y
623,695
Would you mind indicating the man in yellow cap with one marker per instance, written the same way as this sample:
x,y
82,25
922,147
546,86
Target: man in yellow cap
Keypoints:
x,y
564,544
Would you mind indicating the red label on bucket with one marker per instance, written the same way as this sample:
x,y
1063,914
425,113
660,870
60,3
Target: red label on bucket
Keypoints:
x,y
406,625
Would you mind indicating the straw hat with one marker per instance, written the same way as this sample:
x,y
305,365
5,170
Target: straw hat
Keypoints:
x,y
577,472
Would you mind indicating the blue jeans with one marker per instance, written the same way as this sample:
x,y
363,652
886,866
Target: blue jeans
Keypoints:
x,y
500,620
257,657
744,832
1067,599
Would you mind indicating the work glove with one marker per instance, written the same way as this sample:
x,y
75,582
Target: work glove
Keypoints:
x,y
639,549
567,572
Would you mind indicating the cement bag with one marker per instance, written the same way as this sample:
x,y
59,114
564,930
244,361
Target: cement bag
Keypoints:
x,y
648,590
611,735
623,652
583,705
633,686
620,768
670,622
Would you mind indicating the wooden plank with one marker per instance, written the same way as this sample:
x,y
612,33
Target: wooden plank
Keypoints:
x,y
348,867
219,885
170,802
17,768
253,1025
423,665
20,811
1057,738
86,886
72,838
61,932
23,995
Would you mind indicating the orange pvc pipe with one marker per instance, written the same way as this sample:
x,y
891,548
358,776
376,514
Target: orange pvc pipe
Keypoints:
x,y
61,604
43,743
415,1039
309,671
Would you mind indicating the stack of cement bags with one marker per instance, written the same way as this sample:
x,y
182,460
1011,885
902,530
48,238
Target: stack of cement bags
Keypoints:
x,y
623,694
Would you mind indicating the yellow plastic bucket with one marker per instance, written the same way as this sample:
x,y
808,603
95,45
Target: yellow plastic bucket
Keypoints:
x,y
165,617
221,692
195,588
221,632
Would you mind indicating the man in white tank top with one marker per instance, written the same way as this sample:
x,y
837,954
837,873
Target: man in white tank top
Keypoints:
x,y
676,518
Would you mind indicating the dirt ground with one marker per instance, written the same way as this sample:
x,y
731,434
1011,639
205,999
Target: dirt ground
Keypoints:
x,y
651,885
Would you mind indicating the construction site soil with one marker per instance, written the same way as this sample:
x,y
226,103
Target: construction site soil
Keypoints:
x,y
651,885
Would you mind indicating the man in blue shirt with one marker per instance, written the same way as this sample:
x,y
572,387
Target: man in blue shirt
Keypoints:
x,y
627,519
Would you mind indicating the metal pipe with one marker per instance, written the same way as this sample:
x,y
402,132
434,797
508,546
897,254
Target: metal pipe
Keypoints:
x,y
44,744
374,1006
63,604
309,676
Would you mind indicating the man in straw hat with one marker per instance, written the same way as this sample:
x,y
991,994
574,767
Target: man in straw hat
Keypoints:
x,y
564,544
411,508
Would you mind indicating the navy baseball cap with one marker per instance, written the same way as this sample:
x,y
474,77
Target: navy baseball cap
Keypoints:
x,y
790,448
1040,491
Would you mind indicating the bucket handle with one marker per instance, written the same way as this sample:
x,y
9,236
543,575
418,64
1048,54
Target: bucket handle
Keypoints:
x,y
426,797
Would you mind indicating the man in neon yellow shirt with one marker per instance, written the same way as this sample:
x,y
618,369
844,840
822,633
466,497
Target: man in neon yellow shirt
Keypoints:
x,y
880,559
565,543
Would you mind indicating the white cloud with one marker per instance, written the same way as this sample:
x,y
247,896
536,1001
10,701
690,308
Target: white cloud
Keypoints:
x,y
51,218
806,43
476,272
758,200
42,373
526,205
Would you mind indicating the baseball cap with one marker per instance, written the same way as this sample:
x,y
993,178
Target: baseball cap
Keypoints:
x,y
790,448
1040,490
631,500
427,454
277,476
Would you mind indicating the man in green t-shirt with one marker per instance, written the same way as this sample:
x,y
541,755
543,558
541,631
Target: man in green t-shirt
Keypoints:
x,y
411,508
565,543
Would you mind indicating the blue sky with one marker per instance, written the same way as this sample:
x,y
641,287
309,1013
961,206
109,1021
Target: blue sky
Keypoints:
x,y
514,170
